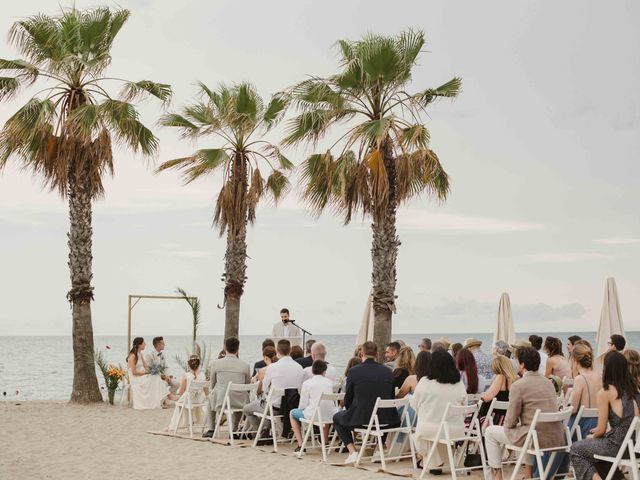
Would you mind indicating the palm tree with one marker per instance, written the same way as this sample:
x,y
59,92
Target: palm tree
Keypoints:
x,y
384,157
237,116
65,132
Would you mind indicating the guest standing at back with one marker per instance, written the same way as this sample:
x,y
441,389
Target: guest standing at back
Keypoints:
x,y
365,383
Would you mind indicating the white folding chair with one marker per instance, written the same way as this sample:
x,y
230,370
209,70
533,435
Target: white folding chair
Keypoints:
x,y
531,445
126,387
316,420
377,430
267,414
628,447
583,412
567,398
567,382
228,411
471,433
473,398
185,403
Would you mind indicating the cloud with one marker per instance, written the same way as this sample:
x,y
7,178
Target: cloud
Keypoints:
x,y
617,241
413,219
466,315
566,257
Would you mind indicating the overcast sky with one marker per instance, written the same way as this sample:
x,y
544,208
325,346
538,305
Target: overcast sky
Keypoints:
x,y
542,148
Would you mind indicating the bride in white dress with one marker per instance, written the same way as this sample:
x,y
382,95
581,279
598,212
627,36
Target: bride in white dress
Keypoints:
x,y
148,391
198,414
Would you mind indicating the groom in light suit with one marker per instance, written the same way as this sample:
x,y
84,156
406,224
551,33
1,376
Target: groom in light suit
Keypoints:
x,y
284,328
156,357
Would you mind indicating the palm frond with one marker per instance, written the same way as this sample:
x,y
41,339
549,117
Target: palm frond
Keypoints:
x,y
418,172
138,90
274,152
277,185
275,110
450,89
9,87
123,120
203,162
186,128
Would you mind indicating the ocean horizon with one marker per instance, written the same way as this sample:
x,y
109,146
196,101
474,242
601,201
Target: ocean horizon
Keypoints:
x,y
41,367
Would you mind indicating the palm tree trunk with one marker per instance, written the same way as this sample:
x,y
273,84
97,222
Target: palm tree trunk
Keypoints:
x,y
85,382
384,252
235,271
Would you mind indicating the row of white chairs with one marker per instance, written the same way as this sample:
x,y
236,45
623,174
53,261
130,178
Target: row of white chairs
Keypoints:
x,y
374,433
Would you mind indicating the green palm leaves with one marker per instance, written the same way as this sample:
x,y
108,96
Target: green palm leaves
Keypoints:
x,y
237,117
76,116
383,153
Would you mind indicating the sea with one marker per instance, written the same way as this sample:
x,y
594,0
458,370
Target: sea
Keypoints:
x,y
41,368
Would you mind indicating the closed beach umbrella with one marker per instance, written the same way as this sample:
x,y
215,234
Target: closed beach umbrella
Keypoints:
x,y
610,317
366,327
504,329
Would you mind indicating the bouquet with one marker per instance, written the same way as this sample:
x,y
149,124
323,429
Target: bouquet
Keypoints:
x,y
113,375
156,369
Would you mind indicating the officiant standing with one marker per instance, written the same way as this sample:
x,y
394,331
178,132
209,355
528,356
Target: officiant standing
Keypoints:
x,y
156,358
285,327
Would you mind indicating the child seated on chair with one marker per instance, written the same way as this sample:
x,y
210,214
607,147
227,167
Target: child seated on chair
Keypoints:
x,y
310,394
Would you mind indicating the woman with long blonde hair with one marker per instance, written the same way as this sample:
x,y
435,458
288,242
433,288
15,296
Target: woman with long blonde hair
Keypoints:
x,y
504,377
405,365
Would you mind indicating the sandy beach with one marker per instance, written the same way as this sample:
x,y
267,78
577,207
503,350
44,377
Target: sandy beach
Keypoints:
x,y
53,440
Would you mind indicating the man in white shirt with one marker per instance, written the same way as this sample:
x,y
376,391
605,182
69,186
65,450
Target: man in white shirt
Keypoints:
x,y
319,352
312,390
285,328
536,342
284,374
156,357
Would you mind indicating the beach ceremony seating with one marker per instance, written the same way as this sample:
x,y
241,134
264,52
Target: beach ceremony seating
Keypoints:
x,y
316,420
376,432
470,435
185,403
268,415
532,447
228,411
629,454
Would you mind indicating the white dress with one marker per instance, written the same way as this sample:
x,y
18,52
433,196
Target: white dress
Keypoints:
x,y
147,391
196,397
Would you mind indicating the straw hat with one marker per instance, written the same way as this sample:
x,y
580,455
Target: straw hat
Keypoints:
x,y
520,344
446,343
472,342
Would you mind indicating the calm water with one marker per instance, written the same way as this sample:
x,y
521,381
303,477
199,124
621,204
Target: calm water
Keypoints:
x,y
41,368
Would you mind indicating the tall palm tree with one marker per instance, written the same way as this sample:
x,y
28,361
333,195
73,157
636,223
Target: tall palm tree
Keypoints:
x,y
65,132
237,117
383,155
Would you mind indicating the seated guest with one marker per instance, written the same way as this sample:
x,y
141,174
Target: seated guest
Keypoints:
x,y
319,352
617,343
502,348
404,366
536,342
504,377
269,356
441,385
483,361
571,341
527,395
455,348
297,353
466,363
514,355
353,361
633,360
422,365
284,374
365,383
443,343
260,363
198,414
310,394
586,385
391,354
156,357
617,405
425,345
148,391
306,361
224,370
557,364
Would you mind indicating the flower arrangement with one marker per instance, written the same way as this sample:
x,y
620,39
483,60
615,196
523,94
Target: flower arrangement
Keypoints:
x,y
156,369
113,376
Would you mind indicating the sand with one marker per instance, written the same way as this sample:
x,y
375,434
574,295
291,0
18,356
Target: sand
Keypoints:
x,y
52,440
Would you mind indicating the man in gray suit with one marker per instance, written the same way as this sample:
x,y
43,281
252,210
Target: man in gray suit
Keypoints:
x,y
224,370
532,392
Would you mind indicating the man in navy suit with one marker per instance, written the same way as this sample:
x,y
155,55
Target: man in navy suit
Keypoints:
x,y
365,383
